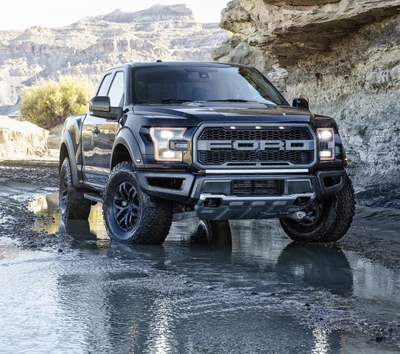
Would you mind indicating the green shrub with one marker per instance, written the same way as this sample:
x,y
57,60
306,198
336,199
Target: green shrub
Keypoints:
x,y
47,103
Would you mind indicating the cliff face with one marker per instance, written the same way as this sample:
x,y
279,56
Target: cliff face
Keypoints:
x,y
90,46
344,57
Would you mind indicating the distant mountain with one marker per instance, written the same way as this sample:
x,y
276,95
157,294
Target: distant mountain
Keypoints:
x,y
93,44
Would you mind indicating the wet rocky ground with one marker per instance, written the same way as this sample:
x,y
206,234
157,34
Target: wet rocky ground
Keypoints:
x,y
327,304
375,232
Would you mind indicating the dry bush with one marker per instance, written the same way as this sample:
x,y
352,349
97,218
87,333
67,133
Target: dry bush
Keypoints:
x,y
48,102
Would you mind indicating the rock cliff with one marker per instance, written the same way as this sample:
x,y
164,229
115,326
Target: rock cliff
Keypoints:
x,y
344,57
93,44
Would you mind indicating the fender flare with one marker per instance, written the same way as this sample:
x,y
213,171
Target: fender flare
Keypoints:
x,y
71,154
129,141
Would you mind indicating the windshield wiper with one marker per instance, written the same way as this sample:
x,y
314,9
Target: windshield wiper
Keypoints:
x,y
267,103
165,100
231,100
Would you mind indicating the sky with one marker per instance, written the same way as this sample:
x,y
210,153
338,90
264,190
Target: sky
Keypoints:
x,y
18,15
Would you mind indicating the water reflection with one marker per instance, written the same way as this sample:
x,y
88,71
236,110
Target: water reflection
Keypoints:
x,y
183,297
321,266
47,207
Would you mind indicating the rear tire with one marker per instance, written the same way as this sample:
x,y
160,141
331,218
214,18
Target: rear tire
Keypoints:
x,y
72,203
130,215
329,219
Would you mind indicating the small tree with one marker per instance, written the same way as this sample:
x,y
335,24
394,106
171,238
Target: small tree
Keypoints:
x,y
47,103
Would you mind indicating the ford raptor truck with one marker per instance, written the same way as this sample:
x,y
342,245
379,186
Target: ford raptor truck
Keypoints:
x,y
166,139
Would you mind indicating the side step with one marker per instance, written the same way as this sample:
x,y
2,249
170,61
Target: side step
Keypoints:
x,y
94,197
184,215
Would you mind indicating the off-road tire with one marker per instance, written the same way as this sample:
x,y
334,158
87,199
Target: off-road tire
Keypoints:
x,y
72,203
129,214
335,215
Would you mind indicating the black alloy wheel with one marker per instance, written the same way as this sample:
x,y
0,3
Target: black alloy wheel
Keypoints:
x,y
326,220
129,214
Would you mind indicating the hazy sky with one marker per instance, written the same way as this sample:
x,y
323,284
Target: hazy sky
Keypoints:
x,y
25,13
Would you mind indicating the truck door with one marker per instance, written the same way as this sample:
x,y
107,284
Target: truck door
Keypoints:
x,y
99,134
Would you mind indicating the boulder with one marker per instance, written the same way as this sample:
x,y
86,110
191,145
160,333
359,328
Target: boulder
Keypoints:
x,y
21,140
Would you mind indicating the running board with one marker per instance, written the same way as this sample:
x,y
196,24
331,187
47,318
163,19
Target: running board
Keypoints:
x,y
183,215
93,197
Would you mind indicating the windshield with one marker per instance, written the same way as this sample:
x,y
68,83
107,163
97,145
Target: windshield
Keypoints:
x,y
169,84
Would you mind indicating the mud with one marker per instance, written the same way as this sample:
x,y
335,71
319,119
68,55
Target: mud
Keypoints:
x,y
18,186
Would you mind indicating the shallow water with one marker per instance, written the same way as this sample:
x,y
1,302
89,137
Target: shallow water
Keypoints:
x,y
256,293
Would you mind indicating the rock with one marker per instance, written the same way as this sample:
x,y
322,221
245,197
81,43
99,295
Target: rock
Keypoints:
x,y
21,139
295,29
343,57
156,13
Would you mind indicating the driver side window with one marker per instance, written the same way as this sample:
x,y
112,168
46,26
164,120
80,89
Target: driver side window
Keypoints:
x,y
102,91
116,92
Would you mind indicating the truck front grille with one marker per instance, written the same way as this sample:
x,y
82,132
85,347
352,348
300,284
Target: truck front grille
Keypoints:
x,y
246,187
254,158
267,146
219,133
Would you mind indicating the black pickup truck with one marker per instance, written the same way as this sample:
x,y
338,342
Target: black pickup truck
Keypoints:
x,y
167,139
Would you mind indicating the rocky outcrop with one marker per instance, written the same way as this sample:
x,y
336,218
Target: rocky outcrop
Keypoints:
x,y
294,29
21,140
154,14
91,45
344,57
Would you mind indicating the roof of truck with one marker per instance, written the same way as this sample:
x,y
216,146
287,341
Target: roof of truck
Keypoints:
x,y
173,63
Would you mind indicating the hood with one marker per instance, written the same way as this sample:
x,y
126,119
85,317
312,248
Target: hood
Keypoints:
x,y
192,114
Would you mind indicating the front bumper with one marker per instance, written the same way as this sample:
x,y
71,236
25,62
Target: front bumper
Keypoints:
x,y
215,197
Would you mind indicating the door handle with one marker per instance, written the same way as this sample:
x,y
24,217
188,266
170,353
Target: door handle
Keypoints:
x,y
96,131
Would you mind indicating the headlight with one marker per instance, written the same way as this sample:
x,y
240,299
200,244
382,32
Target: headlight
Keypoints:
x,y
168,143
326,144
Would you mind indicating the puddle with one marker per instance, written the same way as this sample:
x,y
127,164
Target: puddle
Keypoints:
x,y
47,207
259,245
259,290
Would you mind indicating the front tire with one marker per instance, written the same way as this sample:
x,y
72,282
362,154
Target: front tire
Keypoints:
x,y
130,215
72,203
328,220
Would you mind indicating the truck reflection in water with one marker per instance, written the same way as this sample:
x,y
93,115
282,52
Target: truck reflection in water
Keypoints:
x,y
243,288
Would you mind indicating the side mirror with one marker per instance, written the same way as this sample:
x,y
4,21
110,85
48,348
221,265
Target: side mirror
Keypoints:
x,y
300,103
100,106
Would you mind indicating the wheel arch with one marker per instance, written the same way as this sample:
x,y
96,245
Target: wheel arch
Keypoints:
x,y
127,149
67,150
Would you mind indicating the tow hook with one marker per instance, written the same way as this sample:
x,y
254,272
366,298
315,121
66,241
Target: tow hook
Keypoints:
x,y
298,215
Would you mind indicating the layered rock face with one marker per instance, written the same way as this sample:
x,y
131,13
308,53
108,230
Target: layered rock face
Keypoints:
x,y
90,46
344,57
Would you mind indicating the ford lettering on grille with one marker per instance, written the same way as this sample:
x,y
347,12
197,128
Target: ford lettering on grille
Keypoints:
x,y
246,146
